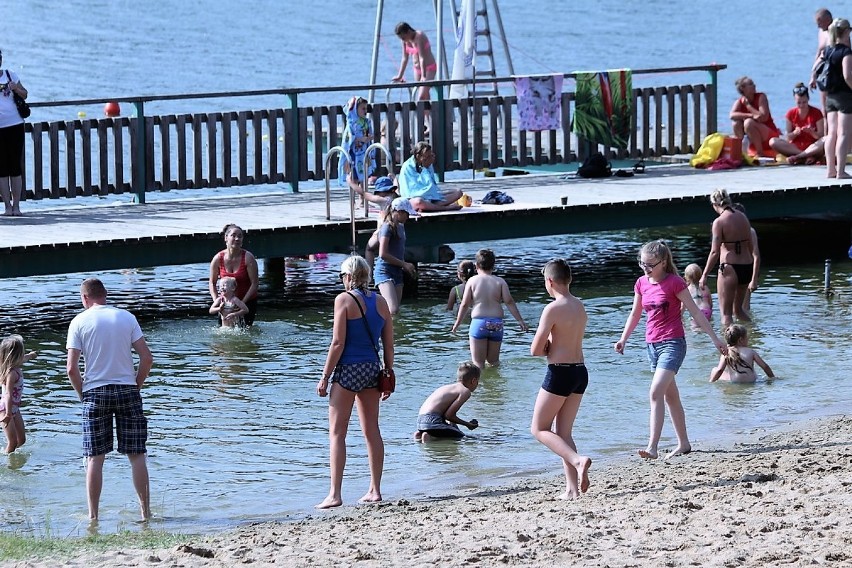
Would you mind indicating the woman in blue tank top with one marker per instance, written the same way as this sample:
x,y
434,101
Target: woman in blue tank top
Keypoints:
x,y
361,318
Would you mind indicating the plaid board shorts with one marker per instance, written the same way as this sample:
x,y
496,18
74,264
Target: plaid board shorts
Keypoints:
x,y
100,405
356,377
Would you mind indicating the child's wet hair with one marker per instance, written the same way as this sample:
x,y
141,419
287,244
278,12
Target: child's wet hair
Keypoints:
x,y
692,273
485,259
468,371
11,354
734,333
558,270
466,269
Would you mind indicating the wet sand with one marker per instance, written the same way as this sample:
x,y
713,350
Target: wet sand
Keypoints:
x,y
780,498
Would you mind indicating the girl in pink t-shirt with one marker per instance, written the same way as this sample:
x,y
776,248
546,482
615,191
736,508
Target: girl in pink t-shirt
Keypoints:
x,y
662,294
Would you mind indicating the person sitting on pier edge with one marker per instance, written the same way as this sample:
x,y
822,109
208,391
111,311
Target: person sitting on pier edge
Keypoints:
x,y
240,264
805,131
417,182
750,117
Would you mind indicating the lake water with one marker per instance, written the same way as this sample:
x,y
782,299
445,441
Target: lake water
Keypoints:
x,y
237,432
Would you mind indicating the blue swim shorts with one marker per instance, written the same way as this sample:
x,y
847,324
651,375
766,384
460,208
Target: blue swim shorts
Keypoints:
x,y
668,354
385,272
103,404
486,328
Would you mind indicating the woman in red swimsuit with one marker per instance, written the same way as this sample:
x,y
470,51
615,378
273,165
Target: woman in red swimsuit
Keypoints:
x,y
238,263
805,130
416,45
750,116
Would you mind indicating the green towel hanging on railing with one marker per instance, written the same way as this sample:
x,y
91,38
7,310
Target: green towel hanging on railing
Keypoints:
x,y
603,107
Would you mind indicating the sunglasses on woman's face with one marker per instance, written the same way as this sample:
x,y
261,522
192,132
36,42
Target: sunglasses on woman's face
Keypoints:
x,y
342,274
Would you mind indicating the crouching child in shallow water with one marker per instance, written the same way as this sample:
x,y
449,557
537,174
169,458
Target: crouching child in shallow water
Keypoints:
x,y
438,416
738,365
559,337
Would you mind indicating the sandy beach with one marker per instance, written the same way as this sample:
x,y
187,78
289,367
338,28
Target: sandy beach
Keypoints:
x,y
780,498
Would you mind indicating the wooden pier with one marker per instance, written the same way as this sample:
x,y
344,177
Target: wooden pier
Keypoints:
x,y
88,237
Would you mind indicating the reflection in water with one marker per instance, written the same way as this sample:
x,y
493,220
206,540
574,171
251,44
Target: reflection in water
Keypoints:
x,y
237,432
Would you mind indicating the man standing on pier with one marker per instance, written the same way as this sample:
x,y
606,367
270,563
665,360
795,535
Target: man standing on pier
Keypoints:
x,y
105,337
823,20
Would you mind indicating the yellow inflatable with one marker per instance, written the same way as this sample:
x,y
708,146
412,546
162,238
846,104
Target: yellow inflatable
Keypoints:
x,y
709,151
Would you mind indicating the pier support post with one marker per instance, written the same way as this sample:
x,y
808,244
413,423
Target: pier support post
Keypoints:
x,y
292,138
139,160
712,102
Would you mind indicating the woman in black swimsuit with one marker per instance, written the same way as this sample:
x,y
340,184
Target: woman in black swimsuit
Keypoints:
x,y
730,251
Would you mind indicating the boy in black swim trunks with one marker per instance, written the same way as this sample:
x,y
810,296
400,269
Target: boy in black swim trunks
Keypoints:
x,y
438,415
559,337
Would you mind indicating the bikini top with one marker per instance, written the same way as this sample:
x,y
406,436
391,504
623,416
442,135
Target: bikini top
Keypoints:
x,y
738,248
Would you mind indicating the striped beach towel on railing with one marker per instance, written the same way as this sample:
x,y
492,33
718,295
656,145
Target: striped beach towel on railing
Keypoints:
x,y
603,107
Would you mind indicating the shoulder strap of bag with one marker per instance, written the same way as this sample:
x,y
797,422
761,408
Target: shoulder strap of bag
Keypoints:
x,y
366,325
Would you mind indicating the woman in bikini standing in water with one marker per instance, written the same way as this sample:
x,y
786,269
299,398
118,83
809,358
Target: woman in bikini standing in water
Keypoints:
x,y
730,251
415,44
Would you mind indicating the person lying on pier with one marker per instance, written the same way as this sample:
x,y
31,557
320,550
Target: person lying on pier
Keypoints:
x,y
438,416
230,308
750,117
417,182
805,131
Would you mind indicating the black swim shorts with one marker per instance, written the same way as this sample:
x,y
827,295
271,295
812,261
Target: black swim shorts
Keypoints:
x,y
565,379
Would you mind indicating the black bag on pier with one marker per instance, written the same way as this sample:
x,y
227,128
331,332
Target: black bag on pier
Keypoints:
x,y
595,166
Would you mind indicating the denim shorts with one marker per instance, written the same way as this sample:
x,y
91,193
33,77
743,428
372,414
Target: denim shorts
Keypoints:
x,y
387,272
101,405
668,354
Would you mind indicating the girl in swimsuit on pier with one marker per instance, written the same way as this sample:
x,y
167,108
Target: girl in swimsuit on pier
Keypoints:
x,y
415,45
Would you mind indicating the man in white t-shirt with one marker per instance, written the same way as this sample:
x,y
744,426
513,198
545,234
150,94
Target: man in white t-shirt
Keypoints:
x,y
105,337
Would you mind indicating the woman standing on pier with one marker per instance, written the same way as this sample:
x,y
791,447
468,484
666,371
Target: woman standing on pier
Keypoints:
x,y
838,100
11,141
236,262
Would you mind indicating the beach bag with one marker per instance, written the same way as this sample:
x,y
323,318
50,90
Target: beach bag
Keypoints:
x,y
23,107
824,81
495,197
595,166
386,377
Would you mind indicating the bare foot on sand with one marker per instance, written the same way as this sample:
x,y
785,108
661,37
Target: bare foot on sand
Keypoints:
x,y
329,503
679,451
844,176
569,495
648,454
371,497
583,473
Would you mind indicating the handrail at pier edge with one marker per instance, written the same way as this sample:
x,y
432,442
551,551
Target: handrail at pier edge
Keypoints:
x,y
300,90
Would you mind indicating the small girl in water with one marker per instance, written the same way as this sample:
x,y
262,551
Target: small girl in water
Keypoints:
x,y
699,293
230,308
466,269
738,365
12,356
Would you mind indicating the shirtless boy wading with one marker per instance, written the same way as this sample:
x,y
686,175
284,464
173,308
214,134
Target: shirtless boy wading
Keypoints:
x,y
485,294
